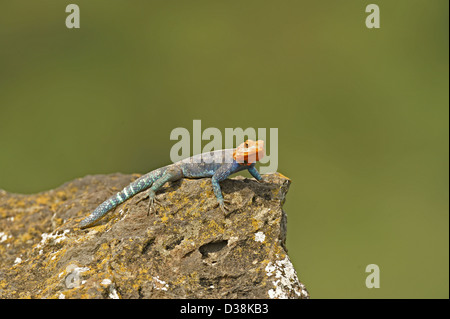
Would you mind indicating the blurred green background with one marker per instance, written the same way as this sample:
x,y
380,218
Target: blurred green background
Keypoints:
x,y
362,115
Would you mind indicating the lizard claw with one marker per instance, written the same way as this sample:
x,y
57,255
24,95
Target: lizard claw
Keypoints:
x,y
224,208
151,205
260,180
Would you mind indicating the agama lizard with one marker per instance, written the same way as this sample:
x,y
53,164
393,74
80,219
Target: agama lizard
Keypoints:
x,y
217,164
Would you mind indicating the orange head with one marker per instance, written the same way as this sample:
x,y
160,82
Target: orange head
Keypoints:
x,y
249,152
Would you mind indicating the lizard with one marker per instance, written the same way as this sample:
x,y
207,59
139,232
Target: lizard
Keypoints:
x,y
217,165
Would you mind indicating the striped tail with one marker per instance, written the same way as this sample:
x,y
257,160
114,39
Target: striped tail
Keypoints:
x,y
132,189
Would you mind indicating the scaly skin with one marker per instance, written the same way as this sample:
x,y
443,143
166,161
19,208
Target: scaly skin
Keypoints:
x,y
218,165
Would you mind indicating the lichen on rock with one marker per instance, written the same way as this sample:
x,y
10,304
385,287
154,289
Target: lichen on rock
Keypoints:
x,y
187,249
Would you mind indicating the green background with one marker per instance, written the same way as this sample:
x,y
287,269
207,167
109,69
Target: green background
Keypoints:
x,y
362,115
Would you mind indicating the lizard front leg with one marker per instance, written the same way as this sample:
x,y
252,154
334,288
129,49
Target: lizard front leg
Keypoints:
x,y
254,172
218,192
220,175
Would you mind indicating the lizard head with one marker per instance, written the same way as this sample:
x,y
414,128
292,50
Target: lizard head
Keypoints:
x,y
249,152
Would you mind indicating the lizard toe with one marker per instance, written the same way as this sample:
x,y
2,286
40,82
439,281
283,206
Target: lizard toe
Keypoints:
x,y
224,208
152,205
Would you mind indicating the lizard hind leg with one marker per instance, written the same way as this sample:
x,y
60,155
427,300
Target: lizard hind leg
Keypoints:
x,y
171,174
152,200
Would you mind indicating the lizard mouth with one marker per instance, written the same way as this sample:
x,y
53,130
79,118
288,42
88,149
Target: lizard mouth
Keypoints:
x,y
249,152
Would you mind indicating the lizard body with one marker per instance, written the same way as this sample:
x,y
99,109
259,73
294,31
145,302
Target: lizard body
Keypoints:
x,y
217,165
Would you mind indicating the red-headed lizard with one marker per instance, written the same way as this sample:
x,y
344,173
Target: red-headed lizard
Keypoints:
x,y
218,165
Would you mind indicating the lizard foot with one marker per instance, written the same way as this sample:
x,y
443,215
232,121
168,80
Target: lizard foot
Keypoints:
x,y
152,201
262,180
224,208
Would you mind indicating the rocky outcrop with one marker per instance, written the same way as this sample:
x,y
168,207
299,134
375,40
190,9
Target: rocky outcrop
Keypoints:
x,y
187,249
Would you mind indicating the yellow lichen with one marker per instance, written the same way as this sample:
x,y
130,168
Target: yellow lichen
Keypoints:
x,y
42,200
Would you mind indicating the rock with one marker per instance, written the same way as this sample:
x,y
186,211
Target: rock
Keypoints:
x,y
188,249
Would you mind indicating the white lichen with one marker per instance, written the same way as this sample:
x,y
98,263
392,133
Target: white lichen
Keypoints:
x,y
106,282
3,237
260,236
285,280
57,238
73,278
159,284
113,293
17,261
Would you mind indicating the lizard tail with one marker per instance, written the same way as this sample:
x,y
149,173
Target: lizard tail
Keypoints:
x,y
132,189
